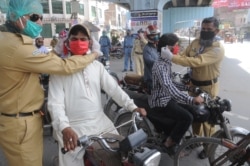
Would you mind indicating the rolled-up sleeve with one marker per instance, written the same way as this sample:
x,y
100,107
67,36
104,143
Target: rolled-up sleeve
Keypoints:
x,y
26,58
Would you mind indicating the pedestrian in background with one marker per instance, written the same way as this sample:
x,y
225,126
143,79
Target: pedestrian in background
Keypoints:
x,y
204,56
21,95
137,51
39,42
105,44
127,46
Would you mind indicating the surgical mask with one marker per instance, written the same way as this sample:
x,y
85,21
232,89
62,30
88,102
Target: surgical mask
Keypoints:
x,y
32,29
153,39
78,47
207,35
156,38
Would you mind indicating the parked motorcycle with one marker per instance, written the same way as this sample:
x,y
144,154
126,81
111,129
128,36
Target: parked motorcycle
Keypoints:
x,y
131,148
116,51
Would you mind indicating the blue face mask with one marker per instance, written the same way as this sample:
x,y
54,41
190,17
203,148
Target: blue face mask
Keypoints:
x,y
32,29
156,38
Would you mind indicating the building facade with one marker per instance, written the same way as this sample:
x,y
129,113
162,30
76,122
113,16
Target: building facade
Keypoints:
x,y
60,14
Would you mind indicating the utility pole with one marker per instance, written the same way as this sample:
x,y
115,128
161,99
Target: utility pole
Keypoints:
x,y
75,10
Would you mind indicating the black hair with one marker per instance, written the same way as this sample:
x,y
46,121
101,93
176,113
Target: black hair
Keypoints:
x,y
211,20
169,39
78,28
140,31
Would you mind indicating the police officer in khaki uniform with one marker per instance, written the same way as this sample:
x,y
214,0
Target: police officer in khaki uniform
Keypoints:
x,y
21,95
137,52
204,57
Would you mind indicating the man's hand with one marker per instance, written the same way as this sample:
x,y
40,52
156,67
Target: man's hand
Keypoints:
x,y
69,139
166,53
142,111
198,100
141,35
96,48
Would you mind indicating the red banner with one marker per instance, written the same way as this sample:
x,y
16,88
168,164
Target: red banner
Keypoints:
x,y
220,3
235,4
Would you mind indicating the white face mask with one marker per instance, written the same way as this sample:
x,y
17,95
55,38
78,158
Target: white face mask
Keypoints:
x,y
166,53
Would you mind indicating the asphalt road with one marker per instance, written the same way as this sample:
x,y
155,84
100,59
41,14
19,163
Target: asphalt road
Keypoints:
x,y
234,85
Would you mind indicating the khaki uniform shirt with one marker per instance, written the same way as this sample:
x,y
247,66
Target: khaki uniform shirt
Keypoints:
x,y
205,66
20,67
138,46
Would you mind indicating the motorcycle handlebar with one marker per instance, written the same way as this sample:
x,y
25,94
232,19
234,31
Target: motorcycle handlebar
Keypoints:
x,y
85,141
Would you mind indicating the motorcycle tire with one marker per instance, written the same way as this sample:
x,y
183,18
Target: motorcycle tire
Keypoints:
x,y
111,109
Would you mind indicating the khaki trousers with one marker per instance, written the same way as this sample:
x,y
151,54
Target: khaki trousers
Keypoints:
x,y
139,64
203,129
21,139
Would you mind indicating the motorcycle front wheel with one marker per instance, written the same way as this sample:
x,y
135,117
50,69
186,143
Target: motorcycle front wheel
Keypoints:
x,y
216,150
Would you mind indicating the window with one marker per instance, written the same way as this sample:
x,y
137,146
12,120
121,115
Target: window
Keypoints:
x,y
81,9
60,27
47,31
57,7
100,13
4,6
45,5
68,8
93,11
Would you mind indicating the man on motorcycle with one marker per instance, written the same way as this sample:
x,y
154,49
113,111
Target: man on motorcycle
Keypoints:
x,y
204,57
167,96
150,54
75,104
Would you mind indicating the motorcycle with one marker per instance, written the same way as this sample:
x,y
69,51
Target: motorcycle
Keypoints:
x,y
116,51
212,108
131,148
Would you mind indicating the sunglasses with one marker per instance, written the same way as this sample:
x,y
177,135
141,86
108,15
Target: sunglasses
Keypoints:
x,y
35,17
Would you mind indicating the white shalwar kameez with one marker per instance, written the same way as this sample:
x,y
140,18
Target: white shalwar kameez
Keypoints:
x,y
75,101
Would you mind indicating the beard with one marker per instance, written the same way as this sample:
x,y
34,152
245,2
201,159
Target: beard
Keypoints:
x,y
206,43
38,46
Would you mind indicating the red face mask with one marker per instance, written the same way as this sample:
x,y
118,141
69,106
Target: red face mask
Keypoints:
x,y
79,47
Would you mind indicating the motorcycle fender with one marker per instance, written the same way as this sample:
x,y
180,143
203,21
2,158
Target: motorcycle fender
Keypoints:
x,y
239,130
233,131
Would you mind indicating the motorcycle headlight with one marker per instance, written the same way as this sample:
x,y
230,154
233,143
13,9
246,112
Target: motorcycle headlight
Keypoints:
x,y
225,105
147,157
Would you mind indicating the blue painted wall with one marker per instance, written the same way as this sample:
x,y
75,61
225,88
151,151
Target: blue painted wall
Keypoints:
x,y
183,17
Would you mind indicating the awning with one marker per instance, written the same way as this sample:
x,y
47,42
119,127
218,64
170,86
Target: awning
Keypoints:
x,y
91,27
